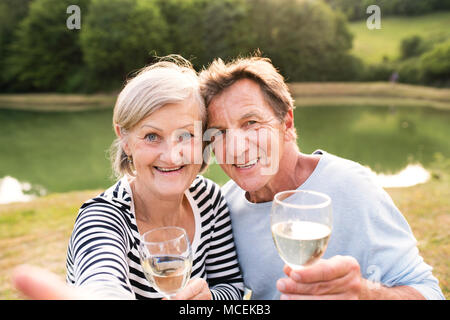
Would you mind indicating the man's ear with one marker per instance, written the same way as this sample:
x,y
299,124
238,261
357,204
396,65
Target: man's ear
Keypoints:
x,y
120,134
289,124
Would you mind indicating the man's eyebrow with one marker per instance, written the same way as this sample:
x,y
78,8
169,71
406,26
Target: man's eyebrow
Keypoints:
x,y
215,127
250,115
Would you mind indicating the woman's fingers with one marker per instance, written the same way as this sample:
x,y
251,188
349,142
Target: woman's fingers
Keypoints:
x,y
40,284
196,289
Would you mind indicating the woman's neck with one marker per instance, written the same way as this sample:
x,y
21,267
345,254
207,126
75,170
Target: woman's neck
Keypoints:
x,y
154,210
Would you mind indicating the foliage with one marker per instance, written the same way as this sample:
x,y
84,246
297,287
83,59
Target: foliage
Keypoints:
x,y
11,13
119,36
412,46
44,53
356,9
436,63
306,40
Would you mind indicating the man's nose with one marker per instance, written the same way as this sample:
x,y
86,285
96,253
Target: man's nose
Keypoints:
x,y
236,143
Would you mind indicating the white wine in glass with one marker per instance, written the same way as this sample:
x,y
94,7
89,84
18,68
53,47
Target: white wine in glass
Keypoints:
x,y
301,223
166,259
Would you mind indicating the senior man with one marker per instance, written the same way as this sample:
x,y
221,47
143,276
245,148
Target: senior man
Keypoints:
x,y
371,253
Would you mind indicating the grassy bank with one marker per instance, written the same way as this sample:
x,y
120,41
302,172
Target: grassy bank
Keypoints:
x,y
369,93
306,93
57,102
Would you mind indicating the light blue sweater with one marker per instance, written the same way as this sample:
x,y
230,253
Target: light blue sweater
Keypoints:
x,y
366,225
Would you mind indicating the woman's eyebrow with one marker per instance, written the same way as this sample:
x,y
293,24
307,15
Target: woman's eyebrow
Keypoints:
x,y
150,126
158,129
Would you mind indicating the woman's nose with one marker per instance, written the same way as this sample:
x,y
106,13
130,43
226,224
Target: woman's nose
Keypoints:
x,y
172,153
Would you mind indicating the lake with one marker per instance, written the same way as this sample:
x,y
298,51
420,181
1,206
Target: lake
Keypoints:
x,y
44,152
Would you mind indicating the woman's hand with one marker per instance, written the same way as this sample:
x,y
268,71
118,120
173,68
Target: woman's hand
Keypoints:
x,y
196,289
39,284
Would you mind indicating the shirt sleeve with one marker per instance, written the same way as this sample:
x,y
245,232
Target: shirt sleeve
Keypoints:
x,y
97,253
391,254
222,268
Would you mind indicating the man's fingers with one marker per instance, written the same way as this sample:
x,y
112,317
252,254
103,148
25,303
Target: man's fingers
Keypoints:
x,y
309,297
335,286
325,270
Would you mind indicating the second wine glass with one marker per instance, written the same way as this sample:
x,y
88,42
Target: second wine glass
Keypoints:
x,y
166,258
301,223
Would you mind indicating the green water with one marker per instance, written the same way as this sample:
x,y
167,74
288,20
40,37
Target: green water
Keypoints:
x,y
68,151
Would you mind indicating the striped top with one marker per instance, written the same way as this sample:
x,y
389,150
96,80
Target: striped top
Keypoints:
x,y
103,254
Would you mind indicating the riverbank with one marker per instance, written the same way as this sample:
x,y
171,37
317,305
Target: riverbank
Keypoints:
x,y
305,94
369,94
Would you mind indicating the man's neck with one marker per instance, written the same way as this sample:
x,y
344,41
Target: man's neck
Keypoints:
x,y
294,169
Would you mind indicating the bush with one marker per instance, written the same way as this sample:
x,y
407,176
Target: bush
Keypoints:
x,y
412,46
410,71
436,64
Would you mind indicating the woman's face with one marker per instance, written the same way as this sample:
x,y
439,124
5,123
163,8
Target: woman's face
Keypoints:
x,y
166,148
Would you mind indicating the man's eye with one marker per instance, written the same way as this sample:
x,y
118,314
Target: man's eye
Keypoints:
x,y
151,137
250,122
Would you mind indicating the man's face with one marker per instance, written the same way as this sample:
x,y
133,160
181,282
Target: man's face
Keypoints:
x,y
250,139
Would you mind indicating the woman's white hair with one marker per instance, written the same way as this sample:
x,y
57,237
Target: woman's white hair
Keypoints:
x,y
171,80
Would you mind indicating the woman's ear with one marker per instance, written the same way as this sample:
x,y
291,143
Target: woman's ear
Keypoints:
x,y
121,135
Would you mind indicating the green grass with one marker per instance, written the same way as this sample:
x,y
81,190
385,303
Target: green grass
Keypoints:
x,y
372,45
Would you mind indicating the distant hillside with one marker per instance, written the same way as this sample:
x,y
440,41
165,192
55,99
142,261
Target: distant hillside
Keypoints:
x,y
372,45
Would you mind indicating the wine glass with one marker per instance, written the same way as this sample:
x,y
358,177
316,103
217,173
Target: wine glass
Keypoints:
x,y
301,223
166,258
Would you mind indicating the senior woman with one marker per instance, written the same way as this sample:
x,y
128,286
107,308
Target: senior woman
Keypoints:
x,y
158,156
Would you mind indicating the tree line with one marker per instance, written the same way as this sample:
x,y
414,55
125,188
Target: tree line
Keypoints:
x,y
307,40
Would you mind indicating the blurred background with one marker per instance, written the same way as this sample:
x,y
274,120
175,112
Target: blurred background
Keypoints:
x,y
377,96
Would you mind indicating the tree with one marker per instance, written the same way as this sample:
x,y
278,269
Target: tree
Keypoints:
x,y
12,12
305,39
121,36
44,53
225,26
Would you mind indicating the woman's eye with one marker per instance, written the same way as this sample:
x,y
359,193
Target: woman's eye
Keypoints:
x,y
151,137
250,122
185,137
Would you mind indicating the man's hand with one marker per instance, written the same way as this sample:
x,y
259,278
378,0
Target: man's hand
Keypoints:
x,y
337,278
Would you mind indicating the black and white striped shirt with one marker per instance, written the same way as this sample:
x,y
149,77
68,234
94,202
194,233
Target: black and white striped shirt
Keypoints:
x,y
103,251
